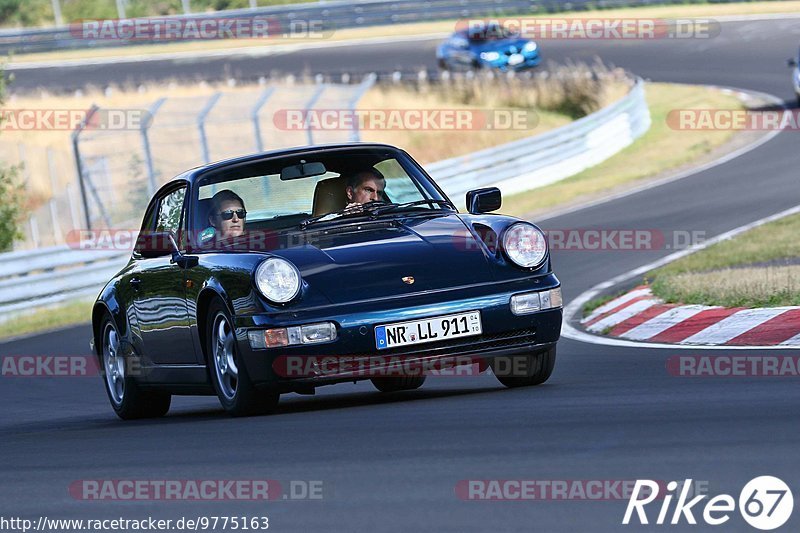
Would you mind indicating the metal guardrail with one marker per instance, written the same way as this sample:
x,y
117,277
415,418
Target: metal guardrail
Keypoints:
x,y
332,15
47,276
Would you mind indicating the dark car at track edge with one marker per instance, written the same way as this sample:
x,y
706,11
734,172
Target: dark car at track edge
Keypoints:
x,y
316,290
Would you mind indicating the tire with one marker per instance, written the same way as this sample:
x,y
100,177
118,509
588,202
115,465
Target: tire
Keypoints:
x,y
526,370
128,399
398,384
236,393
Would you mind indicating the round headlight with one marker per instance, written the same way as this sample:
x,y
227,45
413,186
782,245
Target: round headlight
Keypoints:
x,y
278,280
525,245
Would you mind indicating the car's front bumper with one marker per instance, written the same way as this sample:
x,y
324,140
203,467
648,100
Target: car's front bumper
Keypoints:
x,y
503,332
504,66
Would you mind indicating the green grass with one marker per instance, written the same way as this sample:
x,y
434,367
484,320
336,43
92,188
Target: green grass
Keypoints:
x,y
728,273
73,313
594,303
660,149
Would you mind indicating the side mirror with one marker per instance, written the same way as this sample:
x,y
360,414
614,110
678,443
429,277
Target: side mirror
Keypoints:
x,y
151,244
484,200
792,62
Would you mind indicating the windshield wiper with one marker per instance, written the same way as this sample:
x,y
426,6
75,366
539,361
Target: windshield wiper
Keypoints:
x,y
360,209
399,207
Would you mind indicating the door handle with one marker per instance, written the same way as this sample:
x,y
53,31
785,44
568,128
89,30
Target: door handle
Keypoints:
x,y
135,283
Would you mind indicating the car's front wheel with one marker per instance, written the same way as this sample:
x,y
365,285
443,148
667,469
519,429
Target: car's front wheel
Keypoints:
x,y
525,370
236,393
398,384
127,398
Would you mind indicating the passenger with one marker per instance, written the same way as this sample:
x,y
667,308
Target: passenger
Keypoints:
x,y
227,215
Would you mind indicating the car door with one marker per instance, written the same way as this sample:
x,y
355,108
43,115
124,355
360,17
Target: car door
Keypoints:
x,y
159,291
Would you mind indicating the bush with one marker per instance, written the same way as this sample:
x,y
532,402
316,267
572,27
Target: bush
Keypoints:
x,y
11,197
10,208
573,89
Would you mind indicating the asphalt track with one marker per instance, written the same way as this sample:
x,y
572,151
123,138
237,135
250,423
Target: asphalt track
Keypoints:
x,y
391,462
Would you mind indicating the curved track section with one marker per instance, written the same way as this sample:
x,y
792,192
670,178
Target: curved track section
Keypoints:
x,y
391,463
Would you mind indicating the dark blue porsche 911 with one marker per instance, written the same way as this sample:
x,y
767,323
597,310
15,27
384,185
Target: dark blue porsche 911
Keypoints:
x,y
487,46
284,271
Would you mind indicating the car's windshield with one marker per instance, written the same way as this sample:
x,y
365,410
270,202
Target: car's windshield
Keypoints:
x,y
267,196
490,32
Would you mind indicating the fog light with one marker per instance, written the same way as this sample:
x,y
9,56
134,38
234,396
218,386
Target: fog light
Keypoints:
x,y
522,304
314,333
276,337
257,341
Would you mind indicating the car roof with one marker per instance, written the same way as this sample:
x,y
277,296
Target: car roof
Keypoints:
x,y
192,174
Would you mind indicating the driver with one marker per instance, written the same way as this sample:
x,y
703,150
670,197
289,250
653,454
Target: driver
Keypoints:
x,y
227,214
365,186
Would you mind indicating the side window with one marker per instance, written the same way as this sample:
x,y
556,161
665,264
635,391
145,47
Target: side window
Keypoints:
x,y
168,217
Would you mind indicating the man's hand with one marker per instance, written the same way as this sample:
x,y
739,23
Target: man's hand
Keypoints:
x,y
354,207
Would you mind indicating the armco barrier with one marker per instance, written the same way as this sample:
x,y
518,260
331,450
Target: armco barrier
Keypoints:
x,y
552,156
47,276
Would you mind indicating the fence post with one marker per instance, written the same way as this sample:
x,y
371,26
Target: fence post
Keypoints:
x,y
34,230
308,107
148,155
58,235
201,125
368,82
262,99
76,150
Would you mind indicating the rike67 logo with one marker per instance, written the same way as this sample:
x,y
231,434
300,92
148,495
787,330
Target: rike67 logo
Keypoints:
x,y
765,503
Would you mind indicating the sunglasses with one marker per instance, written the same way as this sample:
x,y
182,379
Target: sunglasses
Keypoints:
x,y
227,215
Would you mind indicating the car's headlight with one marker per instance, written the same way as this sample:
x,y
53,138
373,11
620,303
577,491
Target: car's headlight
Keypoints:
x,y
525,245
490,56
278,280
530,46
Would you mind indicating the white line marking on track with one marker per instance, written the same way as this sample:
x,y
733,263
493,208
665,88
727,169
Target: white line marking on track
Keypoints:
x,y
734,325
664,321
616,302
623,314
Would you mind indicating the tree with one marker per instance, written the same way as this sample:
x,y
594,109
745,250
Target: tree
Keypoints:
x,y
11,194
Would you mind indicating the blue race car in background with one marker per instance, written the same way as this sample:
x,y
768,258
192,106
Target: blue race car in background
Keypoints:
x,y
488,46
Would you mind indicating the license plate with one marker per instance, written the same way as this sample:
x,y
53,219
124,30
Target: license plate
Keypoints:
x,y
515,59
428,330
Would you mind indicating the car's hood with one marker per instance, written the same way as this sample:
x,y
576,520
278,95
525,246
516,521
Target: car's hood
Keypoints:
x,y
372,260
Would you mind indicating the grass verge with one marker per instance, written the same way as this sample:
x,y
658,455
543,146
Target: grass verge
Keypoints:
x,y
660,149
69,314
415,29
758,268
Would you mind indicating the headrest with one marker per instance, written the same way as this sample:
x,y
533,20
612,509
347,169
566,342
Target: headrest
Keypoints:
x,y
330,196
